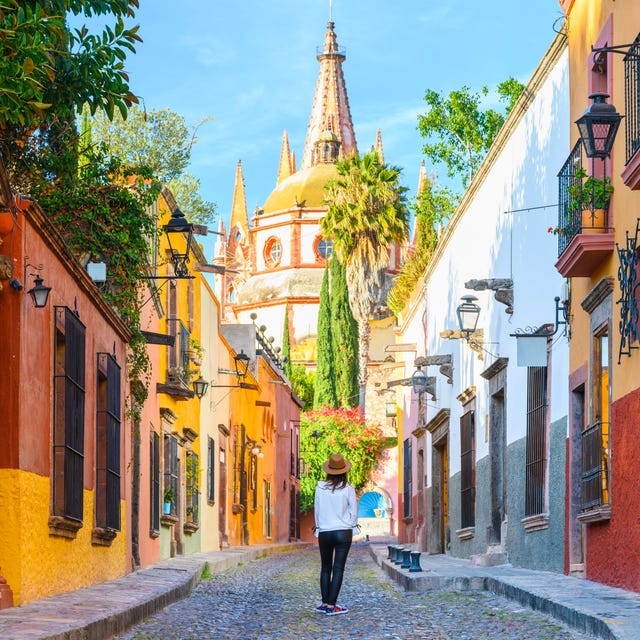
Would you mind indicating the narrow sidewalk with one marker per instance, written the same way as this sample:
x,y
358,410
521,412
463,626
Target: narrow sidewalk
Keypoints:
x,y
589,607
101,611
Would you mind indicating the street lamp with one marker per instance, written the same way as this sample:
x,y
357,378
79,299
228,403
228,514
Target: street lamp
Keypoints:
x,y
419,381
200,387
468,312
178,226
242,364
598,126
39,293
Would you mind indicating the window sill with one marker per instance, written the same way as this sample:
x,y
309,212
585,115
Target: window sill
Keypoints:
x,y
466,534
64,527
190,527
103,537
597,514
408,520
153,534
167,520
538,522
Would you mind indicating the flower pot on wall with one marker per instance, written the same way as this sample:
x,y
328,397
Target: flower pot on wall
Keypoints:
x,y
167,508
594,221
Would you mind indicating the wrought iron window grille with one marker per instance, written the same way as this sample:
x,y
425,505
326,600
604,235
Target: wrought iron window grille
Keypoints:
x,y
628,280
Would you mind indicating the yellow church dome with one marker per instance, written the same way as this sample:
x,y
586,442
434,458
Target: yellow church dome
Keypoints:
x,y
304,187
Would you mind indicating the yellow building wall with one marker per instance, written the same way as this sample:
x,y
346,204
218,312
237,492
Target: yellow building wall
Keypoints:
x,y
37,565
188,310
585,23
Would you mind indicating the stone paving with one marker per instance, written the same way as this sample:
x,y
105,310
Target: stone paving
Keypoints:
x,y
273,598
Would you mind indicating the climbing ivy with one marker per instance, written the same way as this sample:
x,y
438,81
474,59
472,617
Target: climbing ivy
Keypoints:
x,y
105,215
433,208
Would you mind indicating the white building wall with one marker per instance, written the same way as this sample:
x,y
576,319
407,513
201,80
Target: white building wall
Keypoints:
x,y
499,231
492,240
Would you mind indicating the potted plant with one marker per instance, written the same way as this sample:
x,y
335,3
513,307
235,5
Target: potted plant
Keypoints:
x,y
195,351
169,497
590,197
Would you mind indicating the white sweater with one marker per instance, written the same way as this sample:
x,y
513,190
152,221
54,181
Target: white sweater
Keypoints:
x,y
335,509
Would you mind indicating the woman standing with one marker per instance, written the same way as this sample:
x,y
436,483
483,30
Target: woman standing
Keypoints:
x,y
336,513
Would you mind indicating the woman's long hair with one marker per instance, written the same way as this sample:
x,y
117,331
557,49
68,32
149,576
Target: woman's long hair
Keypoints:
x,y
337,480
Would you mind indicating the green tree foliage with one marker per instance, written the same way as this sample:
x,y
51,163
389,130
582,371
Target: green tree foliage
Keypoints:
x,y
186,190
344,333
162,141
367,212
286,344
433,208
342,431
48,69
458,131
104,220
325,383
303,383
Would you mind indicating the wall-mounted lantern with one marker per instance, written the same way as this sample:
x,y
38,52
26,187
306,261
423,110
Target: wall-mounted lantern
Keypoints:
x,y
468,312
200,387
178,226
598,126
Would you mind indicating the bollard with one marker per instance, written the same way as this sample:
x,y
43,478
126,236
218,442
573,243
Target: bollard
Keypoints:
x,y
415,562
398,555
406,559
389,551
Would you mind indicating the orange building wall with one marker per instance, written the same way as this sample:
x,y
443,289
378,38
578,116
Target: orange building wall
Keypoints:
x,y
34,562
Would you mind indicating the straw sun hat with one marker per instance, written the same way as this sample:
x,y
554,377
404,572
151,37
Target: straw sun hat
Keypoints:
x,y
336,464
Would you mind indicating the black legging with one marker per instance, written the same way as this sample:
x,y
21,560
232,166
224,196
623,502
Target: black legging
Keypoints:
x,y
333,565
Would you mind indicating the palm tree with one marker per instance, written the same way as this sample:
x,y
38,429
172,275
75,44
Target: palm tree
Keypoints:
x,y
367,213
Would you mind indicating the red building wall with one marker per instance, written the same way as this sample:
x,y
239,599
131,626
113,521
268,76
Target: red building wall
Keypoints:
x,y
613,555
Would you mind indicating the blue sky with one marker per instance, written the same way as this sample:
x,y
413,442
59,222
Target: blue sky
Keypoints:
x,y
252,66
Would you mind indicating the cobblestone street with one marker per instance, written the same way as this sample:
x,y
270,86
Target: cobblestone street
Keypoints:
x,y
274,598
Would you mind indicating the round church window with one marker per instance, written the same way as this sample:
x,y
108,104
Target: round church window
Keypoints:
x,y
324,248
272,252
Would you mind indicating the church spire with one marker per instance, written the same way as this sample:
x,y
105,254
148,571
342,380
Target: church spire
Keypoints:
x,y
379,146
330,111
239,216
285,169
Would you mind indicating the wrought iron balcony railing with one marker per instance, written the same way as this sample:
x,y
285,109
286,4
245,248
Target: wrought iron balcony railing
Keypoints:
x,y
632,98
569,222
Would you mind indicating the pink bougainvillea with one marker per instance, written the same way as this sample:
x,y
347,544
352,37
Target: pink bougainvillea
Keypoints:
x,y
342,431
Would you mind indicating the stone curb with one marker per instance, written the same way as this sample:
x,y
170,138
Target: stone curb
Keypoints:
x,y
526,587
103,610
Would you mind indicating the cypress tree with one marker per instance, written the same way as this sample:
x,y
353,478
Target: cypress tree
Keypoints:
x,y
325,387
286,344
344,332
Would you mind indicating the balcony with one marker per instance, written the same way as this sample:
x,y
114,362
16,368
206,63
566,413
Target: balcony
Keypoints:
x,y
179,372
585,237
